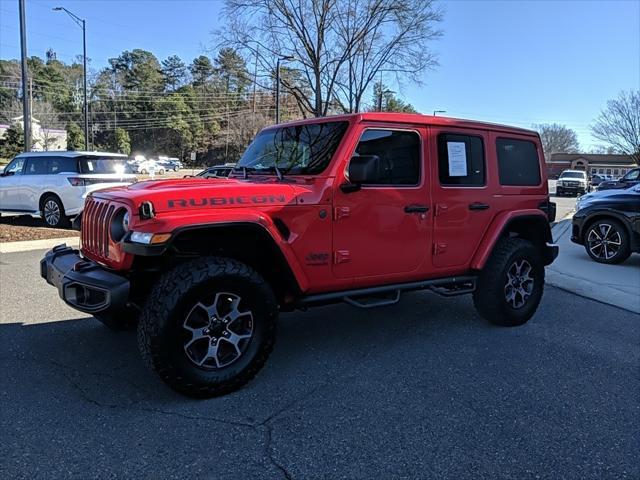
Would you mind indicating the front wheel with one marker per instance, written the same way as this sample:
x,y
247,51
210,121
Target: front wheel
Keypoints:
x,y
510,286
208,326
607,241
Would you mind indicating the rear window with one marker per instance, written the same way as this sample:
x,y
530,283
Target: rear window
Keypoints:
x,y
517,162
117,165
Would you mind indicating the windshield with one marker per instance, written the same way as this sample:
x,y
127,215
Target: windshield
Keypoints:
x,y
302,149
572,175
117,165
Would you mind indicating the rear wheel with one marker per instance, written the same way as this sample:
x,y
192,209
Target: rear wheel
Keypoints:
x,y
208,326
607,241
53,212
510,286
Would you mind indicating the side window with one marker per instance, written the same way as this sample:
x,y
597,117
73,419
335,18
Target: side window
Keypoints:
x,y
36,166
461,160
62,164
632,175
15,167
399,152
518,162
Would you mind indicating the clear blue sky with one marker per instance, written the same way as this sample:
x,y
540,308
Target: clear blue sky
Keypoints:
x,y
516,62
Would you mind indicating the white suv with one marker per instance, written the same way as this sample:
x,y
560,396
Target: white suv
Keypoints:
x,y
54,185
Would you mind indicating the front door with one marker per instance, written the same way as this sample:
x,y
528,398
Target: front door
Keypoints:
x,y
462,203
11,196
384,229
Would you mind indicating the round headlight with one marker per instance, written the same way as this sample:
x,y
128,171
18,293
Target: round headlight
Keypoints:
x,y
119,225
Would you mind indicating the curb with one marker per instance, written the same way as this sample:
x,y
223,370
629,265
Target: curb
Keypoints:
x,y
27,245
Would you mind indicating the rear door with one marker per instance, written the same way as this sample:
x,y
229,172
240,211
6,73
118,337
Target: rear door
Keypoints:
x,y
34,181
462,199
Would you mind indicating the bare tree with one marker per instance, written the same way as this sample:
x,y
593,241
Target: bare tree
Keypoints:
x,y
338,45
619,124
557,139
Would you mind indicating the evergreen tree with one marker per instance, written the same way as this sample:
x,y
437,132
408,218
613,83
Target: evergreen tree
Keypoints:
x,y
122,141
12,143
174,71
75,137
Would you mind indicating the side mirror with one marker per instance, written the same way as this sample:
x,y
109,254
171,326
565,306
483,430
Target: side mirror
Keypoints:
x,y
362,169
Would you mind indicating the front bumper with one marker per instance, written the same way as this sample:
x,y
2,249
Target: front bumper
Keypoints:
x,y
84,284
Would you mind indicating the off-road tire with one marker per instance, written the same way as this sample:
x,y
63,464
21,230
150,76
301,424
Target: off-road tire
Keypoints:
x,y
489,296
63,220
169,303
625,248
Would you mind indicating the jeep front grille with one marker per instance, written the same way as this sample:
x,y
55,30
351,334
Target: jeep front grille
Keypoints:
x,y
96,219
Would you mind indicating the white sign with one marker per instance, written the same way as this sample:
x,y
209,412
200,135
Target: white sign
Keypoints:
x,y
457,159
193,156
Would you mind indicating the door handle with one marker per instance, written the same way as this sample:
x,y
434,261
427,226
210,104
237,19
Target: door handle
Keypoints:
x,y
416,209
478,206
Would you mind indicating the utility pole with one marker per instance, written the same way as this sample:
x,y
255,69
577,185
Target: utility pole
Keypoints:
x,y
82,24
26,107
255,82
278,85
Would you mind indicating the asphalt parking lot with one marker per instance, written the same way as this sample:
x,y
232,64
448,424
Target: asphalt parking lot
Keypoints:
x,y
424,389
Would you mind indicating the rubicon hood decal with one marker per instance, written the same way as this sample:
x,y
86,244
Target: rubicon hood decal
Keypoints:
x,y
175,195
232,200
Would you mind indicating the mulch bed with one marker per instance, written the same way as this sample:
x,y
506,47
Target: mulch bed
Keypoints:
x,y
15,229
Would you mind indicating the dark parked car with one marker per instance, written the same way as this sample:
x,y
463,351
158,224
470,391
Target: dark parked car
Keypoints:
x,y
631,178
217,171
598,179
608,225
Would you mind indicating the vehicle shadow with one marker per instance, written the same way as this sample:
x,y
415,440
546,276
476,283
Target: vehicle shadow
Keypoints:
x,y
82,360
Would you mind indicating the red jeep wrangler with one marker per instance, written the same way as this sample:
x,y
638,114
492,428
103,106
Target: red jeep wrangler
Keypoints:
x,y
356,208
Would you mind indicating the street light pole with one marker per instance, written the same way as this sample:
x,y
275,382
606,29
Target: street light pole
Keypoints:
x,y
438,111
84,69
82,24
278,86
26,110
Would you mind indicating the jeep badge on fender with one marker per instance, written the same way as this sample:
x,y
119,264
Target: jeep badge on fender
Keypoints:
x,y
355,208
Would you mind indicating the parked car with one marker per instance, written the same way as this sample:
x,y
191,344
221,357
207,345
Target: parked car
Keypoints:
x,y
170,164
355,208
217,171
596,179
573,182
631,178
148,166
54,185
608,224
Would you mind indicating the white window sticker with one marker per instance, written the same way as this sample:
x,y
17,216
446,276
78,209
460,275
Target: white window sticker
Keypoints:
x,y
457,159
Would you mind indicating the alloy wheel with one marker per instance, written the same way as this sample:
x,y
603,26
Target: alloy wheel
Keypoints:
x,y
216,335
519,285
604,241
51,213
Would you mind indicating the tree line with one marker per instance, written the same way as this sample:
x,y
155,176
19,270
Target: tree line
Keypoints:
x,y
333,54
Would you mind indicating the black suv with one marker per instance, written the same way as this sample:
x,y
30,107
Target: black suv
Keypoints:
x,y
608,224
629,180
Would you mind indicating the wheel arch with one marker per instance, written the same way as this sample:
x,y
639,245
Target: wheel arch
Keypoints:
x,y
248,242
594,217
47,194
529,225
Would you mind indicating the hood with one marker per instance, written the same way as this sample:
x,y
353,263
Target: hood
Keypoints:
x,y
195,193
604,195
